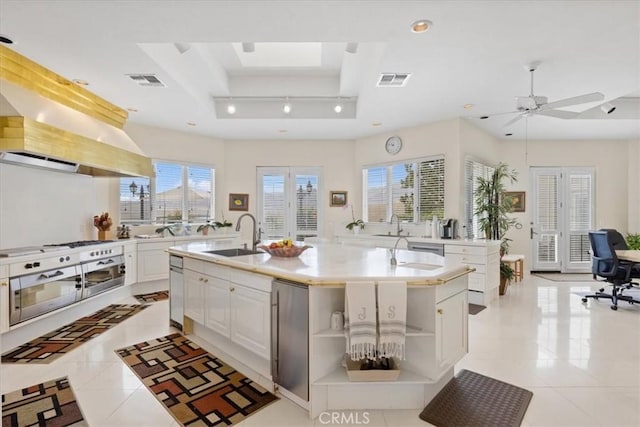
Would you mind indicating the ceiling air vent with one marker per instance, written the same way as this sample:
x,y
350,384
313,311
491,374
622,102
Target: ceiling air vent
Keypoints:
x,y
393,80
147,80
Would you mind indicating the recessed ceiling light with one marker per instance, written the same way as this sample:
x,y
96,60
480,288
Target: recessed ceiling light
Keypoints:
x,y
286,108
338,108
191,124
5,39
468,106
376,124
81,82
421,26
231,109
133,110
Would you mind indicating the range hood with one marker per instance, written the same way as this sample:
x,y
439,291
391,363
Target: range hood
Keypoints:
x,y
47,121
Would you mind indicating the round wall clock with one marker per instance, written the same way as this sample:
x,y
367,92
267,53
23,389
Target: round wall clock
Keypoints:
x,y
393,145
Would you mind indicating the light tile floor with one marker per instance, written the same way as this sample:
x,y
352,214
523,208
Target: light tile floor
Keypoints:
x,y
581,363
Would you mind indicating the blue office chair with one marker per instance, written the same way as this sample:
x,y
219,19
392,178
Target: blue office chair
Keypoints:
x,y
606,264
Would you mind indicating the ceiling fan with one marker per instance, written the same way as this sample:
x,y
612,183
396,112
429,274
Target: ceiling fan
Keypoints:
x,y
537,105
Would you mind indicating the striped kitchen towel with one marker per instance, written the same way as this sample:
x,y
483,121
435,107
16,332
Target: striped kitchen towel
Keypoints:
x,y
392,318
360,319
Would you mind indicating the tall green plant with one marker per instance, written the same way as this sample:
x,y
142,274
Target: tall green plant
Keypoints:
x,y
492,208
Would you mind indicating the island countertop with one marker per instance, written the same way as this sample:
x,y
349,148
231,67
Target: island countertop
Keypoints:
x,y
331,264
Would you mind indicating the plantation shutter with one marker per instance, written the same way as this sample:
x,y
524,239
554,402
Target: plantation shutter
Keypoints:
x,y
132,209
547,218
431,189
274,206
473,170
580,221
169,192
199,193
376,196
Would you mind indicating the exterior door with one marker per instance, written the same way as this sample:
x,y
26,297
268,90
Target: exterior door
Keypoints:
x,y
288,202
562,217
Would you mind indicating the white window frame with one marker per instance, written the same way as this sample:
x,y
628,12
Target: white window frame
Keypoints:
x,y
471,226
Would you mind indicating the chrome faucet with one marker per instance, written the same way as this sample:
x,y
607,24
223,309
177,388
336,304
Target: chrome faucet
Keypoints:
x,y
398,219
255,237
394,261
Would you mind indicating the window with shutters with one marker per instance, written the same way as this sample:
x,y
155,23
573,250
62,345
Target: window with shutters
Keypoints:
x,y
580,196
472,171
180,193
413,190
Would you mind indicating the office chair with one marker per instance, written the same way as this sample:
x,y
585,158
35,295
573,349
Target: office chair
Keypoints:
x,y
606,264
619,244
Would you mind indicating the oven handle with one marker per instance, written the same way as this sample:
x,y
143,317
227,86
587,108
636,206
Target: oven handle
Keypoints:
x,y
111,261
56,274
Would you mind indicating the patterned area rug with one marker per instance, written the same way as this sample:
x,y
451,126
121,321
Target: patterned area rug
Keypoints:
x,y
196,387
471,399
152,297
49,347
48,404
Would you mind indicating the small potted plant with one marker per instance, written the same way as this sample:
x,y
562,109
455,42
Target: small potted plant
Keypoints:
x,y
633,241
506,274
167,228
222,225
204,228
356,224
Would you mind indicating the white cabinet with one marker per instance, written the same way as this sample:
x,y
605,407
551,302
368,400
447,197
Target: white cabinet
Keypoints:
x,y
451,330
250,319
153,260
484,282
4,298
194,285
130,264
217,306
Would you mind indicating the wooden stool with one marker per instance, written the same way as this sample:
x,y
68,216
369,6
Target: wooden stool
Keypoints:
x,y
516,262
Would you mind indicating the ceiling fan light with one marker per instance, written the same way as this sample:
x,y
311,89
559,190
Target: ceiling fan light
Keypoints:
x,y
231,109
607,108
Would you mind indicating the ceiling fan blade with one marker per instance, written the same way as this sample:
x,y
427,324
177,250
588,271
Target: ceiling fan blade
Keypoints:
x,y
515,119
558,114
581,99
487,116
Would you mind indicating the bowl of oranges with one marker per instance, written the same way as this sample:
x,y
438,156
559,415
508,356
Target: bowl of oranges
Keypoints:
x,y
284,248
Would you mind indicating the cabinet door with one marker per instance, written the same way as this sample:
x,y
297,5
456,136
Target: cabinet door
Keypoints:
x,y
216,298
153,265
451,330
250,319
193,296
130,268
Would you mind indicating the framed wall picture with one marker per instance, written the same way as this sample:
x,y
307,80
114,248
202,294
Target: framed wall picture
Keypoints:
x,y
518,199
238,202
338,198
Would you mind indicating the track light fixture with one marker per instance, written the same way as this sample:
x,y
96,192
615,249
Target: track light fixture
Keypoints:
x,y
286,108
231,108
607,108
338,108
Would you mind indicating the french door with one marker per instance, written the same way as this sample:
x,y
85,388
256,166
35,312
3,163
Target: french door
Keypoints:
x,y
562,217
288,202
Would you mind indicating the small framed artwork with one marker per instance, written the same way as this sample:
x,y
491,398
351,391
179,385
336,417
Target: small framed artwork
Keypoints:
x,y
238,202
518,199
338,198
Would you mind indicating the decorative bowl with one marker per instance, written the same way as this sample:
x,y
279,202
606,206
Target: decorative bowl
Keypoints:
x,y
285,252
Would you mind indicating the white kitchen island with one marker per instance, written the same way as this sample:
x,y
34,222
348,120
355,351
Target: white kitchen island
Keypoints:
x,y
228,304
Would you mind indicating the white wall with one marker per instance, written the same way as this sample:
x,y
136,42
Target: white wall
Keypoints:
x,y
39,206
634,186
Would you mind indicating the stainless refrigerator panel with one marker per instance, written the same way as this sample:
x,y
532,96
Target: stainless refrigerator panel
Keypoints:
x,y
290,337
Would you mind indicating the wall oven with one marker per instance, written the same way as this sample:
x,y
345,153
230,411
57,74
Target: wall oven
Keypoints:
x,y
34,294
101,275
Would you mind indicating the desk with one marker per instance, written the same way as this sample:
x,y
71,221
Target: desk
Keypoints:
x,y
629,255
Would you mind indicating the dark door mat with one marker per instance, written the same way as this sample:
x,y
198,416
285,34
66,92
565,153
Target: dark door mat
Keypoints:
x,y
471,399
152,297
51,403
476,308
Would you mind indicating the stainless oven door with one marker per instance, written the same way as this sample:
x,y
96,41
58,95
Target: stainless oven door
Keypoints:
x,y
35,294
102,275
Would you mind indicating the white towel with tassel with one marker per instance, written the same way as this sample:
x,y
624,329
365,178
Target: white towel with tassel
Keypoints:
x,y
360,320
392,319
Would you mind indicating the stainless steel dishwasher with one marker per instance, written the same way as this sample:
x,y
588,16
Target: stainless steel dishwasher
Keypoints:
x,y
176,292
290,337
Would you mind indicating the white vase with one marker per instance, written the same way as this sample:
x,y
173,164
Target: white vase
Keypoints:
x,y
356,230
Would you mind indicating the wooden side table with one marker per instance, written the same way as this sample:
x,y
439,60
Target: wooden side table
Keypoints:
x,y
516,262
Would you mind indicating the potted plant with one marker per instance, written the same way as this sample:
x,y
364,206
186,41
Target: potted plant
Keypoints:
x,y
506,274
493,209
356,224
222,225
204,228
167,228
633,241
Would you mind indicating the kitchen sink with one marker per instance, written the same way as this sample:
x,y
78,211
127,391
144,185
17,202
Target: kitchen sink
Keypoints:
x,y
233,252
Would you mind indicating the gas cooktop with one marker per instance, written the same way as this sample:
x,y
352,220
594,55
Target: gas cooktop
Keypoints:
x,y
81,243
